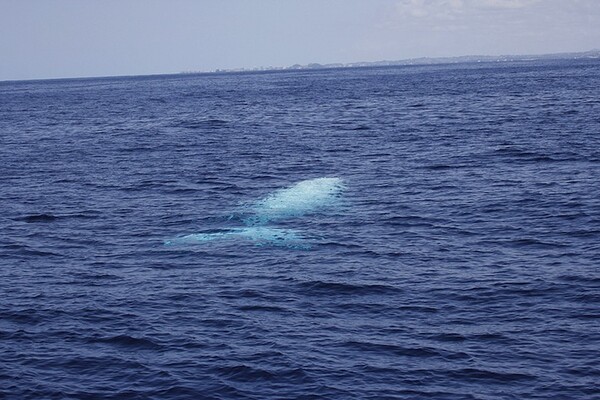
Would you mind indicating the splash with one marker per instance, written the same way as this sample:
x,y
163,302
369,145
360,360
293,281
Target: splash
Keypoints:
x,y
303,198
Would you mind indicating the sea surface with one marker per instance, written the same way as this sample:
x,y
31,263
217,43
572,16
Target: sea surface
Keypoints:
x,y
454,252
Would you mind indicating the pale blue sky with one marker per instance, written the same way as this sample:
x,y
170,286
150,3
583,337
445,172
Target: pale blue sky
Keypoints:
x,y
74,38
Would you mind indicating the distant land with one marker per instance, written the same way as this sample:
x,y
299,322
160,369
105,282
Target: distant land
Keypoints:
x,y
594,54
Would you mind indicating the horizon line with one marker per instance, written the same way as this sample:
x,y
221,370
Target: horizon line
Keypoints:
x,y
415,61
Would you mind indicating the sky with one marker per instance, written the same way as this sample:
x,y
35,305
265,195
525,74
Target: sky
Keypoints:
x,y
77,38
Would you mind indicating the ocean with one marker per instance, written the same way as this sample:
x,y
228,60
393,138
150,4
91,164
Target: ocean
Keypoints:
x,y
410,232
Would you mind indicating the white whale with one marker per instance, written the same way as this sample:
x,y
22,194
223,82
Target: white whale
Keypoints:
x,y
295,201
302,198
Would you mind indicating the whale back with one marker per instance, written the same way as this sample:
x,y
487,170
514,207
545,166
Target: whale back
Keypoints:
x,y
302,198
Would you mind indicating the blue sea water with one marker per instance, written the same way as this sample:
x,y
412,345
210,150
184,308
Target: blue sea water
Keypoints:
x,y
460,259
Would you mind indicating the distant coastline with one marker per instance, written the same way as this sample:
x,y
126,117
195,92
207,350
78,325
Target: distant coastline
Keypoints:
x,y
591,54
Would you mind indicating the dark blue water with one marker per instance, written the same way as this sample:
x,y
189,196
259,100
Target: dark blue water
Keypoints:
x,y
462,261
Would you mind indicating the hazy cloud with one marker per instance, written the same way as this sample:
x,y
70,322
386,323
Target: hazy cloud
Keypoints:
x,y
428,8
450,8
508,3
449,27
